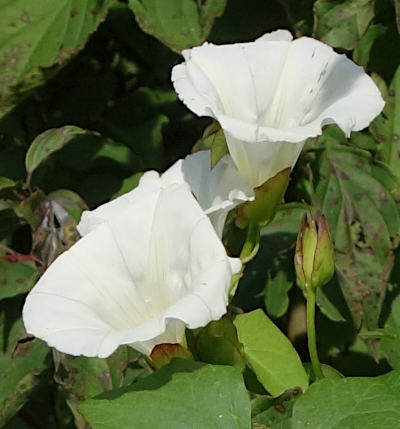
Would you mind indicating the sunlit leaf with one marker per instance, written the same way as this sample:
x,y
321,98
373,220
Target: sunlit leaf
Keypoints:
x,y
182,394
38,34
362,402
178,23
270,354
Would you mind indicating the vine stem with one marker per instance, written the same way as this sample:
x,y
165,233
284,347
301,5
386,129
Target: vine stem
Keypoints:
x,y
311,336
251,244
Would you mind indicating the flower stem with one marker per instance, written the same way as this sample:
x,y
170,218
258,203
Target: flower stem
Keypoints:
x,y
312,342
251,244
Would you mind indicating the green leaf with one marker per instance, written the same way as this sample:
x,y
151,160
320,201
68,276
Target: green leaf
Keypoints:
x,y
182,394
219,148
38,34
381,84
364,141
145,139
386,127
48,142
70,201
287,219
390,335
270,354
267,412
20,363
362,51
389,339
179,24
360,198
128,184
342,23
16,277
279,282
397,8
325,305
367,403
327,370
218,343
81,378
269,276
5,183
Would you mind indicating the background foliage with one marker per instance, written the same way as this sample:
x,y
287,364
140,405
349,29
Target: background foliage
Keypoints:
x,y
86,106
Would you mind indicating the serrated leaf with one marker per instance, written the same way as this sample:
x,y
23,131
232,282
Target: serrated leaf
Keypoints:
x,y
367,403
270,354
360,198
16,277
386,127
182,394
47,143
341,24
179,24
41,33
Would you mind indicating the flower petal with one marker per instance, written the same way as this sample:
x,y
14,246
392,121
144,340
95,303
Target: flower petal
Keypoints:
x,y
131,279
218,190
260,161
276,36
90,220
233,80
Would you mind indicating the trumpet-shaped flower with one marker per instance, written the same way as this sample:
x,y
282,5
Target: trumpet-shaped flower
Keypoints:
x,y
148,265
272,94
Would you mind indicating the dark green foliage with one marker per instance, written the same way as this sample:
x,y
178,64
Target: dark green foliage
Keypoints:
x,y
86,106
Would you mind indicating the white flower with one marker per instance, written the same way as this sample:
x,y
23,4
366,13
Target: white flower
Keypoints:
x,y
149,264
272,94
218,190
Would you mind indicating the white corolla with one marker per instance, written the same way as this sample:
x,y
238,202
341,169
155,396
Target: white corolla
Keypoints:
x,y
148,265
271,94
218,190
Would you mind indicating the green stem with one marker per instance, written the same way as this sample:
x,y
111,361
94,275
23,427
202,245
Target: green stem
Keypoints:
x,y
312,342
251,243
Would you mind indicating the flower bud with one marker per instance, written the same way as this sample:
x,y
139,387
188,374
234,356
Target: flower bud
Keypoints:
x,y
268,196
162,354
313,259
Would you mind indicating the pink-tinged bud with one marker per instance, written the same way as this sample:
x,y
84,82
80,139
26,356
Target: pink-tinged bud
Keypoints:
x,y
162,354
313,259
